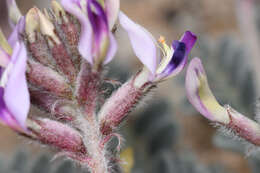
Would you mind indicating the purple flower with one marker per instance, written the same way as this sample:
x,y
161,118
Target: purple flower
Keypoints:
x,y
14,94
200,95
174,58
97,44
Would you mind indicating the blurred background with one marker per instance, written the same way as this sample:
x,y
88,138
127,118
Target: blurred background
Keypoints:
x,y
167,135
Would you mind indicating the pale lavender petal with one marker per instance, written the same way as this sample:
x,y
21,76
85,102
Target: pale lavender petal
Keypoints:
x,y
19,28
4,58
200,95
142,42
16,94
14,12
192,85
86,40
112,49
112,10
5,117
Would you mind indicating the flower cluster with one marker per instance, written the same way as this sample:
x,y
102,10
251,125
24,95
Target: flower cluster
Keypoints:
x,y
52,72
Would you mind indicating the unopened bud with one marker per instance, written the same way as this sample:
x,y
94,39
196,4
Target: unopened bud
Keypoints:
x,y
40,51
47,28
59,12
32,24
57,134
59,108
46,13
64,61
117,107
87,85
70,34
48,79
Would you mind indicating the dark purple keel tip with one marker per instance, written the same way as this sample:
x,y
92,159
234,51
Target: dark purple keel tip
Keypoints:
x,y
177,58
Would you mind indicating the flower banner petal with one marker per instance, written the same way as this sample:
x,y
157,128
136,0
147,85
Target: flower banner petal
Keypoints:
x,y
18,29
16,94
112,10
5,117
142,42
4,58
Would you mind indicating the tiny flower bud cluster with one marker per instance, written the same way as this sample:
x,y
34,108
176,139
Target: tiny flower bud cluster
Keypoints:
x,y
52,73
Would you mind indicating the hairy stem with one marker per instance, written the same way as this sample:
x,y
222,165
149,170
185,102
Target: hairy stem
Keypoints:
x,y
92,138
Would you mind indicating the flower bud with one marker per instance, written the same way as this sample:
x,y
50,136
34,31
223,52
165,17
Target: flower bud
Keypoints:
x,y
46,27
57,134
59,12
58,107
48,79
32,24
122,101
